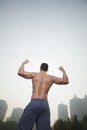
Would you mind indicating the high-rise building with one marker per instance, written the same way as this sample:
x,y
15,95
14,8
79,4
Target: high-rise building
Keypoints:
x,y
3,109
78,106
62,111
16,114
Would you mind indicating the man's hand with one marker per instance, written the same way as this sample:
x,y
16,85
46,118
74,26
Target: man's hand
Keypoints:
x,y
61,68
26,61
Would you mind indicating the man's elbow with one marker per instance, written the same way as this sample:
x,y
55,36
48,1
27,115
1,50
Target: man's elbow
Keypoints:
x,y
19,73
22,74
66,81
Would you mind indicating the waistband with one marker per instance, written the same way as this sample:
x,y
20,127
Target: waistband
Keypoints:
x,y
39,99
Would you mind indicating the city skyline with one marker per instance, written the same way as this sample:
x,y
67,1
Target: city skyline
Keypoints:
x,y
43,31
76,106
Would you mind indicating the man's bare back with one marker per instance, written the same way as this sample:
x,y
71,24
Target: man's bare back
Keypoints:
x,y
41,85
41,81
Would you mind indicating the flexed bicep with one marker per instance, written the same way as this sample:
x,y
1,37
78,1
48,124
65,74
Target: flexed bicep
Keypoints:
x,y
27,75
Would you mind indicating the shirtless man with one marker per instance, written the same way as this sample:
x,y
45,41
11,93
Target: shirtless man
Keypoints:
x,y
38,109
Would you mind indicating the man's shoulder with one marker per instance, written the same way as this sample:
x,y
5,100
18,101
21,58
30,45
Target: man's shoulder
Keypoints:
x,y
49,76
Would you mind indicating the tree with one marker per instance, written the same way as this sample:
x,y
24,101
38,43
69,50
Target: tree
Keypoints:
x,y
84,122
10,125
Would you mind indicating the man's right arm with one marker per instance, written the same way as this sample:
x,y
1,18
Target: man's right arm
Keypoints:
x,y
23,73
63,80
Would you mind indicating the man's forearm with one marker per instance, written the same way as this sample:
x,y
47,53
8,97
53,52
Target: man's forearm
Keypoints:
x,y
65,77
21,69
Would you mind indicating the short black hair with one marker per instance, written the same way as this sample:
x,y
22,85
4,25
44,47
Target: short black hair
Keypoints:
x,y
44,66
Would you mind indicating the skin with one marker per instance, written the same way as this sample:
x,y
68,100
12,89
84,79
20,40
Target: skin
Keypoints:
x,y
41,81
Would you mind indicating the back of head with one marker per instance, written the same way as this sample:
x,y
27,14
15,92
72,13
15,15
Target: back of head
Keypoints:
x,y
44,67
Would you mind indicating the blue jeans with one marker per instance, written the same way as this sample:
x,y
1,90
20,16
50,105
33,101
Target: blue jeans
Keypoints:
x,y
37,111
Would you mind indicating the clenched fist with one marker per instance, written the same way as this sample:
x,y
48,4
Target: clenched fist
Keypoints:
x,y
26,61
61,68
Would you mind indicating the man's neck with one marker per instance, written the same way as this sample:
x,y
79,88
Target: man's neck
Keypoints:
x,y
42,72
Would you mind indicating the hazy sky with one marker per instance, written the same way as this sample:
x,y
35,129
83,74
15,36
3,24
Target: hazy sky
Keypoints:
x,y
52,31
